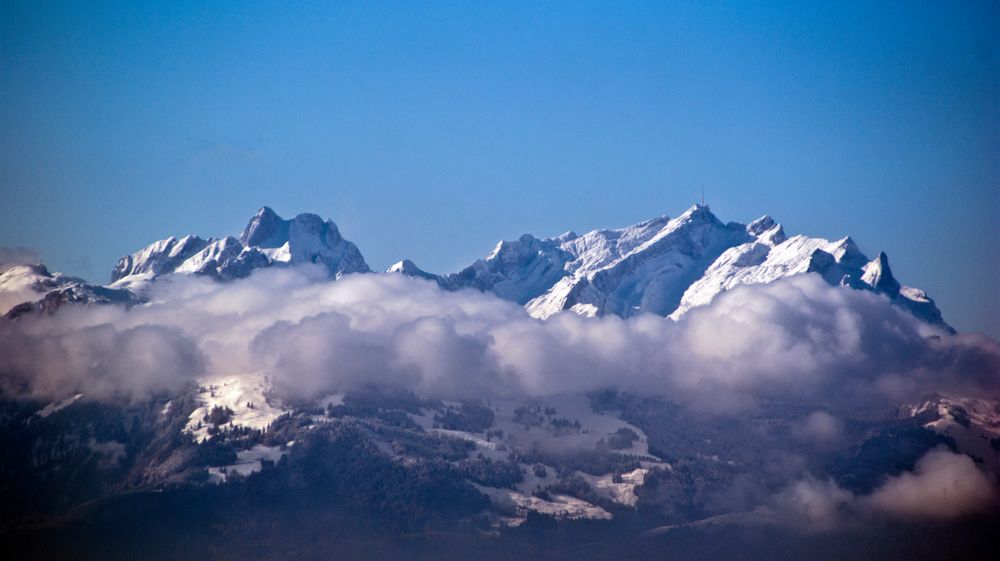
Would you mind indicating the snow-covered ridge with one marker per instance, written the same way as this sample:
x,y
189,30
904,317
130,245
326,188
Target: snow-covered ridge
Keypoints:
x,y
410,269
30,288
28,283
267,240
668,266
662,266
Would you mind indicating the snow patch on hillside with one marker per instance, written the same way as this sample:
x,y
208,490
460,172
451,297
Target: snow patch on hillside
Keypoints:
x,y
245,394
623,491
247,462
557,506
57,406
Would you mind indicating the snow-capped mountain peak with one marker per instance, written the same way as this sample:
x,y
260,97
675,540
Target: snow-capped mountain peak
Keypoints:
x,y
264,229
27,283
515,270
267,240
307,238
641,268
410,269
29,288
767,230
404,267
878,275
761,225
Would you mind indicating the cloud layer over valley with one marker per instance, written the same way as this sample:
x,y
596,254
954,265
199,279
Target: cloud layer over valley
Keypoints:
x,y
796,338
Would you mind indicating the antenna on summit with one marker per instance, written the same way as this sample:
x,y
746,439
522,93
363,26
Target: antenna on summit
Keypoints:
x,y
702,196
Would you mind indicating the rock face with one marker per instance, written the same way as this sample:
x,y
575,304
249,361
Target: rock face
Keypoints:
x,y
267,240
669,266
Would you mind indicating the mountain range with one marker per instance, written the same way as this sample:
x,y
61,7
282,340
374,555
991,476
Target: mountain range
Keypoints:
x,y
667,266
664,266
357,414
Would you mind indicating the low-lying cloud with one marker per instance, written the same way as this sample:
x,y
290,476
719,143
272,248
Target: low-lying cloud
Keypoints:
x,y
796,338
100,361
943,486
819,426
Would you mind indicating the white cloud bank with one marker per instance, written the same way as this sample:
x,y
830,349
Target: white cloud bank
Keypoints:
x,y
797,338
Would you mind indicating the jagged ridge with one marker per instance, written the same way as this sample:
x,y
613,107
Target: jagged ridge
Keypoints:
x,y
669,266
662,266
267,240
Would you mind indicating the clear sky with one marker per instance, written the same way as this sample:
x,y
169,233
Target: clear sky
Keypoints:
x,y
432,130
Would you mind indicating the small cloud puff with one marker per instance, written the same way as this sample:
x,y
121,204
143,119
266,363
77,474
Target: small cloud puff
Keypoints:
x,y
819,426
943,485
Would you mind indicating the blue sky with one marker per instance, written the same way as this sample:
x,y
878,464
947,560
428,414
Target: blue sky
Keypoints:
x,y
431,130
